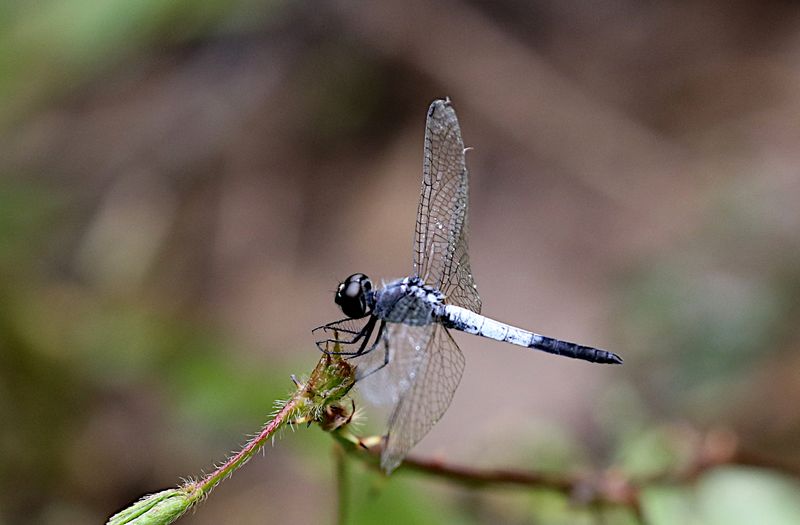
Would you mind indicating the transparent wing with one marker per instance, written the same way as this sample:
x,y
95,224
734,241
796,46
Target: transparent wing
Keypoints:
x,y
441,257
386,373
432,383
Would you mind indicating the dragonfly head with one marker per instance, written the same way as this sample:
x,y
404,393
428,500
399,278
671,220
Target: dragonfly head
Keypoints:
x,y
354,295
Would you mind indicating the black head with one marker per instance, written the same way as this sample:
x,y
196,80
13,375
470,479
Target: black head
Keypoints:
x,y
354,295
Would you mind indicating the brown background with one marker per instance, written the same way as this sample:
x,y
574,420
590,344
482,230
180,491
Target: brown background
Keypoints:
x,y
184,185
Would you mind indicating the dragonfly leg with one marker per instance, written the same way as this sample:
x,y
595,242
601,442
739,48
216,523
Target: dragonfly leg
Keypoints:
x,y
364,333
364,350
338,326
378,340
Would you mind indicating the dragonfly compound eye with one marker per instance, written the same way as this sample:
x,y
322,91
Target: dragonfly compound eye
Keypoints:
x,y
351,295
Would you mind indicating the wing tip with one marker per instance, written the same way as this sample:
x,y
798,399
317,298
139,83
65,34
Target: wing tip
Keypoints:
x,y
390,459
439,103
389,464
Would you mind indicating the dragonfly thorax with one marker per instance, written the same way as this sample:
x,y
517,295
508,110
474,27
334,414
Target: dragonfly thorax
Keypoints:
x,y
408,301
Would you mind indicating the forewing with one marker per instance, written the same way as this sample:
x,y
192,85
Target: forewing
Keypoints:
x,y
441,257
405,344
433,382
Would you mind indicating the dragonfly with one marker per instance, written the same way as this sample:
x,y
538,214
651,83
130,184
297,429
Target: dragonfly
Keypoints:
x,y
400,331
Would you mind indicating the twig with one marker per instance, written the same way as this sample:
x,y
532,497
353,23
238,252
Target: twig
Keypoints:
x,y
751,459
609,487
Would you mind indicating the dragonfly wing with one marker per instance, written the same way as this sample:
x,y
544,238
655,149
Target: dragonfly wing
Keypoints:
x,y
385,374
441,257
433,381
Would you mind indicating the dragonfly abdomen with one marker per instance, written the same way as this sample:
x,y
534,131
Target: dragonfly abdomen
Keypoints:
x,y
585,353
472,323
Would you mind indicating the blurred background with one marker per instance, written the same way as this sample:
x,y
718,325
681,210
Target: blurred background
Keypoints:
x,y
183,184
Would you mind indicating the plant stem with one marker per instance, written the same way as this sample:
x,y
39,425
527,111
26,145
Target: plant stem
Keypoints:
x,y
204,486
318,400
342,485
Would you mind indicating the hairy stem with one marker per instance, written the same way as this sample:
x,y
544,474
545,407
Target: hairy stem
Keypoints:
x,y
318,400
204,486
